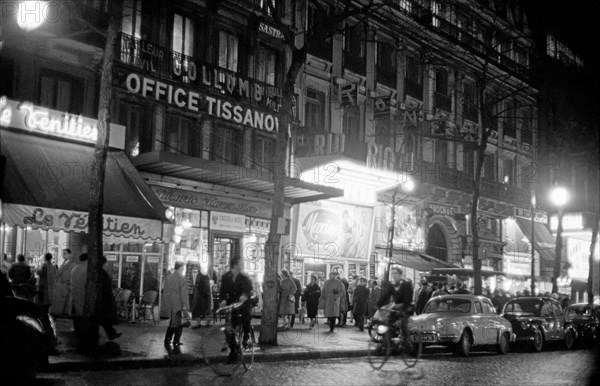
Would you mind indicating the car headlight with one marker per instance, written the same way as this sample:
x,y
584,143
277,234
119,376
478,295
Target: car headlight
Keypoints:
x,y
524,325
31,322
382,329
441,326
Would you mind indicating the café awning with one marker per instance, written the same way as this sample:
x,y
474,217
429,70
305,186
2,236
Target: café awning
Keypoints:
x,y
216,172
411,259
47,186
544,243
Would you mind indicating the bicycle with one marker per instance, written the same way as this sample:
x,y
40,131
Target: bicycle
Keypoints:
x,y
392,340
246,352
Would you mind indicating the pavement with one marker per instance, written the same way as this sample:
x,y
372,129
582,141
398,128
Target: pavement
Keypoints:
x,y
141,345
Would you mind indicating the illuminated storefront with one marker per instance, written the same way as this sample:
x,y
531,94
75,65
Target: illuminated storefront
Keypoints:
x,y
46,195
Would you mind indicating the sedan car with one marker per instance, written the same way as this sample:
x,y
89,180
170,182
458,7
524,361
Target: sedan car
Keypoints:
x,y
461,322
537,320
585,321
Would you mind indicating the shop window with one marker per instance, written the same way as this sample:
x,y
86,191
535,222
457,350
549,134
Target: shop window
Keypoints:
x,y
315,110
182,135
182,43
61,92
351,127
227,145
228,51
262,65
263,152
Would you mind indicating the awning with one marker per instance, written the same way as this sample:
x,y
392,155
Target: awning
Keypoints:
x,y
544,243
47,174
466,272
418,262
216,172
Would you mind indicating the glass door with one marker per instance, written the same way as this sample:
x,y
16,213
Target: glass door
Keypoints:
x,y
223,249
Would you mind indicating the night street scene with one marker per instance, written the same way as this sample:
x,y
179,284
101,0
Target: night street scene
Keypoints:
x,y
299,192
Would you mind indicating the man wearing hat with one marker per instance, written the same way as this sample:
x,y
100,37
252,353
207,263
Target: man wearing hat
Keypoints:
x,y
422,297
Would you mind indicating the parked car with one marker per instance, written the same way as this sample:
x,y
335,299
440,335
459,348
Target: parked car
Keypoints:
x,y
538,320
460,322
585,321
28,336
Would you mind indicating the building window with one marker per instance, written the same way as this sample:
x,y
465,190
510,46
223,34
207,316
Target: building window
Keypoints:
x,y
61,92
264,6
262,65
182,135
315,110
386,64
351,125
526,126
227,145
321,48
137,140
263,152
510,119
354,43
441,153
489,166
414,77
470,108
509,171
132,18
469,161
228,51
489,111
183,44
442,99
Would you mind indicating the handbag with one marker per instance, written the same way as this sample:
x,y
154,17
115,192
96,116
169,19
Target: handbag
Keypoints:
x,y
182,319
292,298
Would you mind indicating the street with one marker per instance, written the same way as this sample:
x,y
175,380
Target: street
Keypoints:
x,y
555,367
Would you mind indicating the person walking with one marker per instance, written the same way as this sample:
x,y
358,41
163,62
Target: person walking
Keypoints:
x,y
333,291
287,297
202,299
461,290
20,272
440,291
360,303
61,297
351,287
374,293
297,296
107,313
47,275
312,294
77,280
175,300
345,303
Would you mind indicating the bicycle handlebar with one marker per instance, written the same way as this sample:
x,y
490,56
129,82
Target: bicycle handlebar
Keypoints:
x,y
230,308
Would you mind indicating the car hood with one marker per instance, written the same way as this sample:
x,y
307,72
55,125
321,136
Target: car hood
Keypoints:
x,y
428,321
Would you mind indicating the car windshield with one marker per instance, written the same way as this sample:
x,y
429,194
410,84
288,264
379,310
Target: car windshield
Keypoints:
x,y
572,312
448,305
532,306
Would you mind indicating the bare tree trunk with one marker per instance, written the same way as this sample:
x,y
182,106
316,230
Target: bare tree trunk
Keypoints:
x,y
558,251
591,258
95,219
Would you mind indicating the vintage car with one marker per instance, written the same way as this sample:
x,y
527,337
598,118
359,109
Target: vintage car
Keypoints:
x,y
461,322
537,320
585,321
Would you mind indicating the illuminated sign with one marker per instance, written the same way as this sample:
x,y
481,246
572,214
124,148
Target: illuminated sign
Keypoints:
x,y
570,222
526,214
195,102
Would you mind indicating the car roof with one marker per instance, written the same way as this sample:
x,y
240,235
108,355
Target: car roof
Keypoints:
x,y
583,305
533,298
462,296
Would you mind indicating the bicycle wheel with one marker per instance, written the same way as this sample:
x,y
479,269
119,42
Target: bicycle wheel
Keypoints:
x,y
379,352
247,352
412,349
210,343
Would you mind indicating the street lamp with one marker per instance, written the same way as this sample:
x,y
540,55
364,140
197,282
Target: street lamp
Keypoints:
x,y
533,203
31,14
408,186
559,196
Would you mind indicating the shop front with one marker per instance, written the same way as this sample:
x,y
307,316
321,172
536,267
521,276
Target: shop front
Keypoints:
x,y
46,195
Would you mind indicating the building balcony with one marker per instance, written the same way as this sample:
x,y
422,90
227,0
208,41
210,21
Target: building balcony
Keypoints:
x,y
313,143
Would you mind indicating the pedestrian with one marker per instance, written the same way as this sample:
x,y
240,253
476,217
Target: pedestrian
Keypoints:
x,y
20,272
77,280
312,294
422,298
175,301
47,275
297,296
461,290
345,301
440,291
351,287
360,303
61,297
107,314
333,291
287,298
202,300
5,264
374,294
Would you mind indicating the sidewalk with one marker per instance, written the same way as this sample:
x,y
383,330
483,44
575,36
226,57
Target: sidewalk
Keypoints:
x,y
142,346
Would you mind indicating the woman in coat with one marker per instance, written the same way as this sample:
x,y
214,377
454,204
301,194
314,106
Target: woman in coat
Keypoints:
x,y
312,294
333,292
175,299
202,299
287,297
61,297
47,275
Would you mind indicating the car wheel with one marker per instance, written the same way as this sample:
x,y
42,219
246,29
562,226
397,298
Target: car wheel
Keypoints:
x,y
569,340
463,347
538,341
504,343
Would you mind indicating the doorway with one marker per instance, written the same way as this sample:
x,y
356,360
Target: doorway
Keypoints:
x,y
223,248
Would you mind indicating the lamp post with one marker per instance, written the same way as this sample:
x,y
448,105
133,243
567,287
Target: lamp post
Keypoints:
x,y
559,196
533,243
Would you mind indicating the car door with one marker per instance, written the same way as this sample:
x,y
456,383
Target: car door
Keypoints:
x,y
494,325
479,324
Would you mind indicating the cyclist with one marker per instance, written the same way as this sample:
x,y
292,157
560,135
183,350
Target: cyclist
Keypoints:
x,y
401,292
236,287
